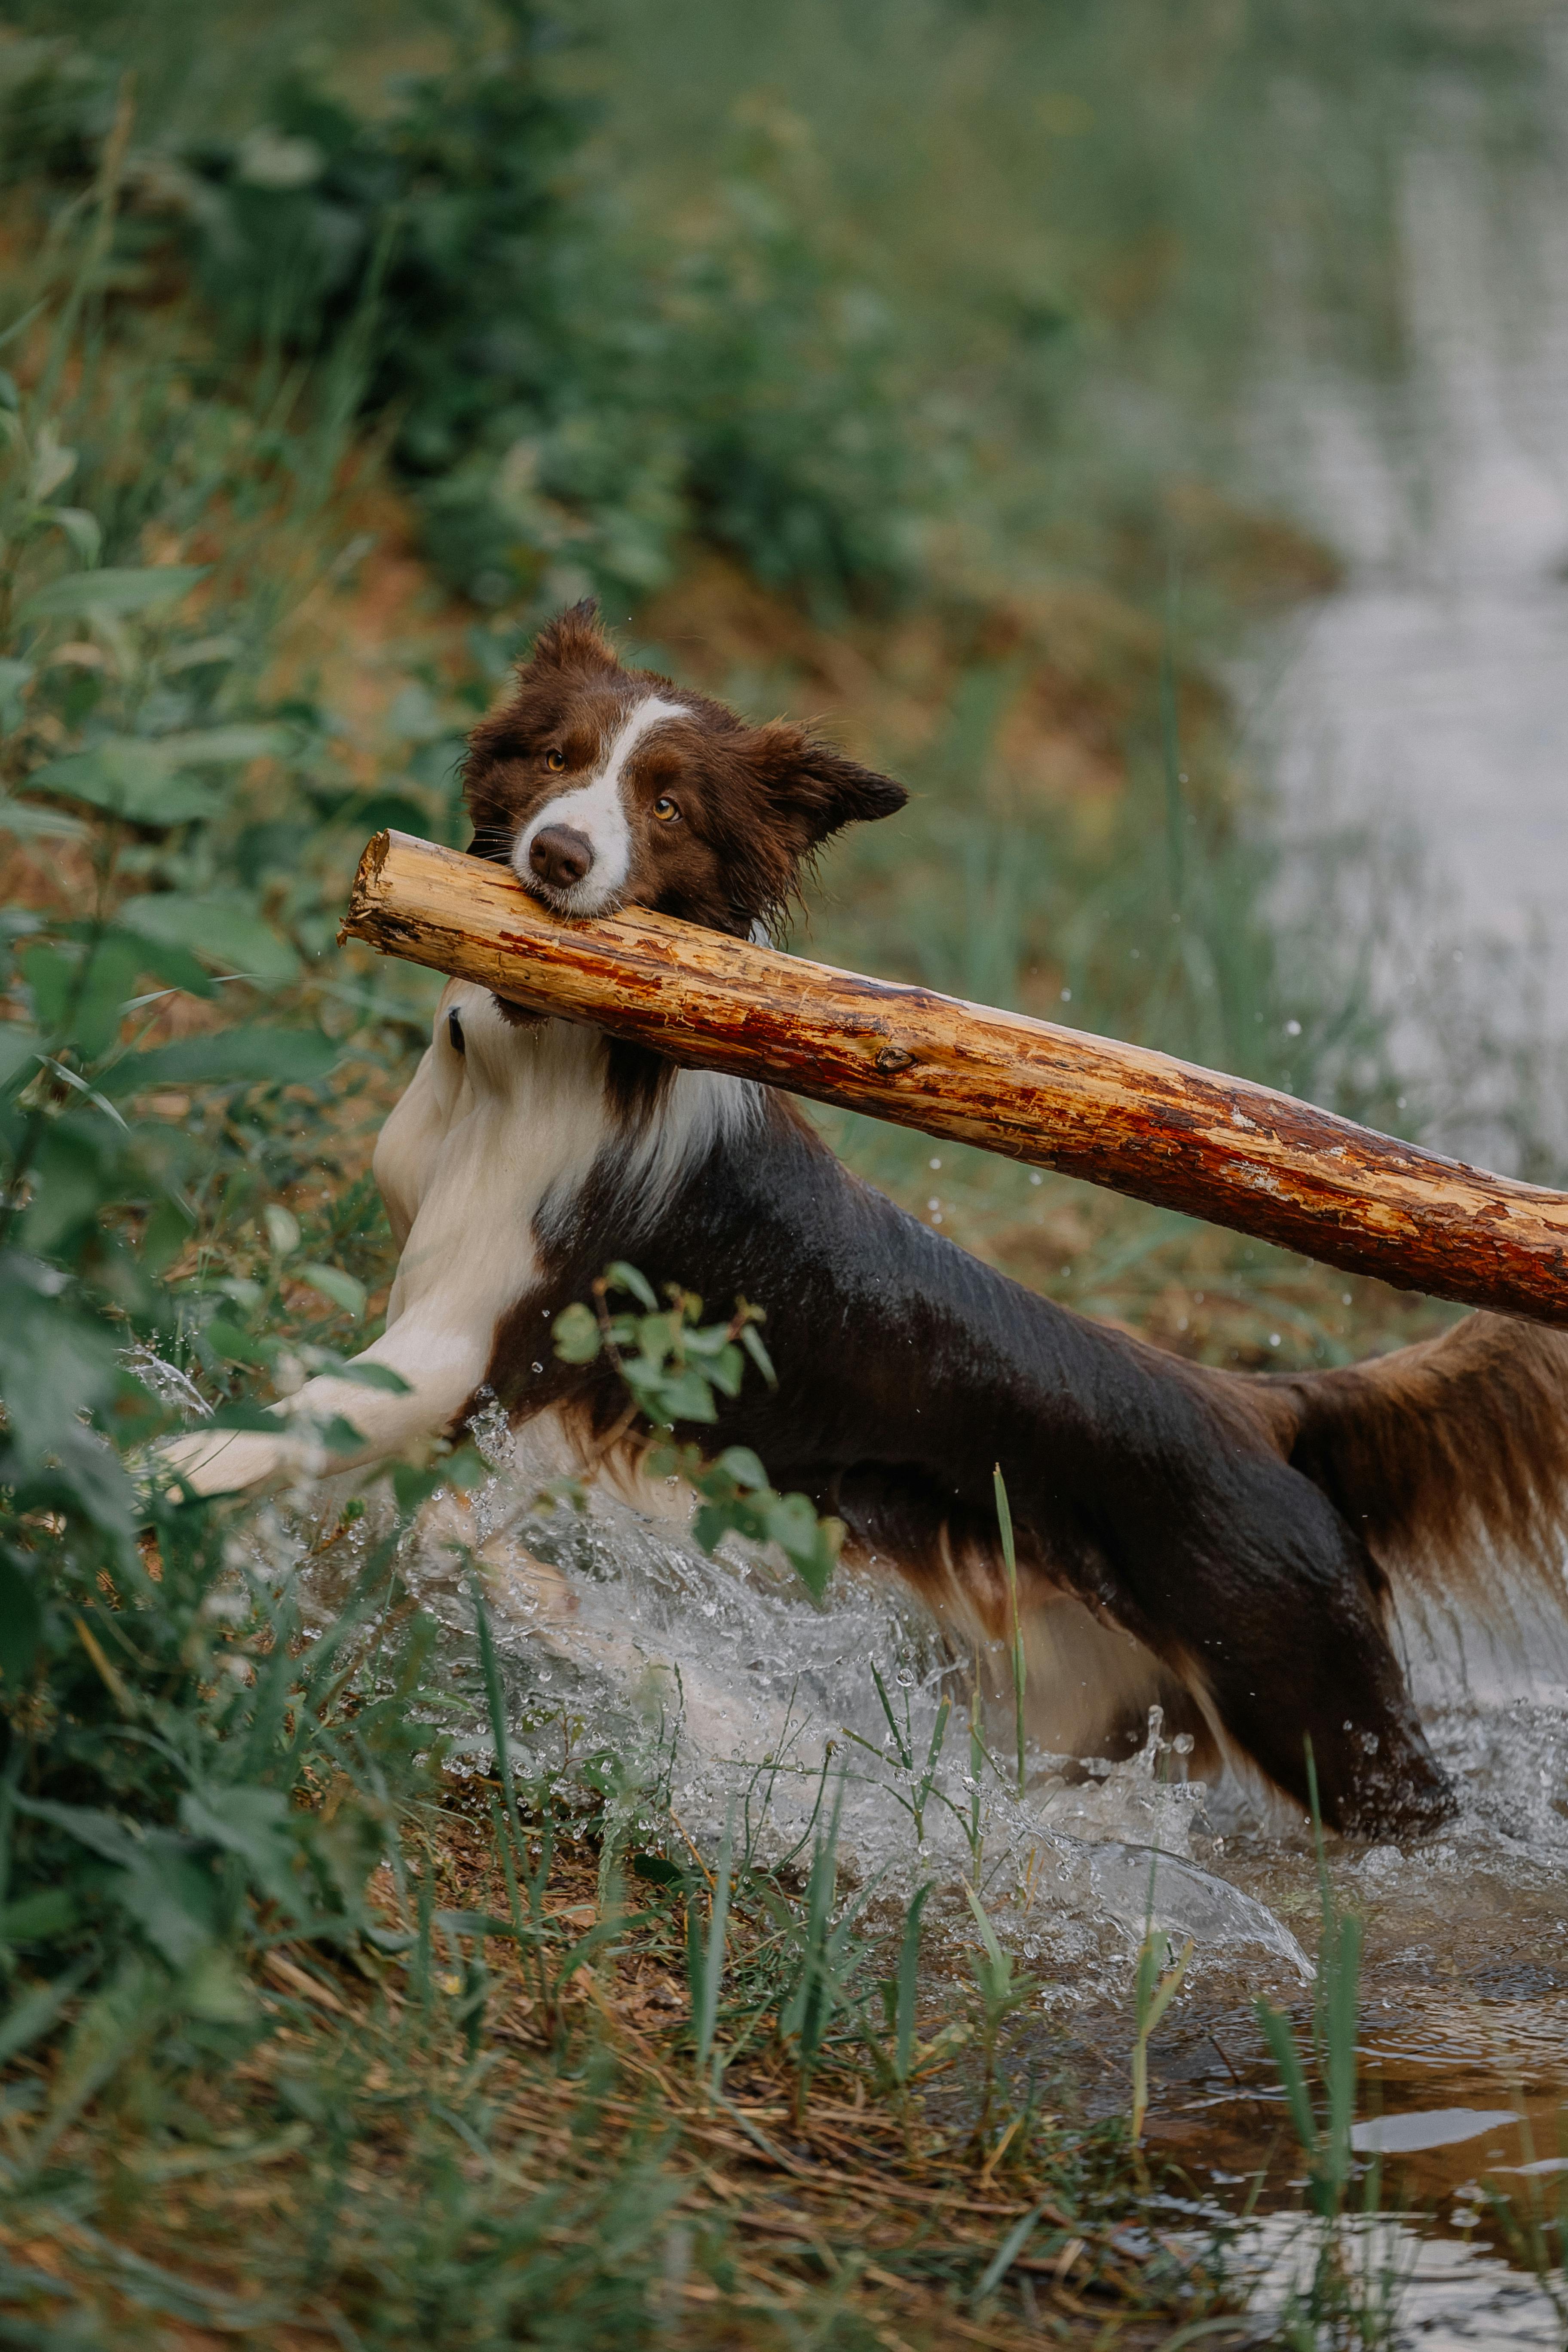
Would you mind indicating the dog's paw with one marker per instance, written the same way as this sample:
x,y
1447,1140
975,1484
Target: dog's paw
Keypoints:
x,y
223,1461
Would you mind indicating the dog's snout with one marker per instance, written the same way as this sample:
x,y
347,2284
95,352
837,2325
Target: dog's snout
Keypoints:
x,y
559,856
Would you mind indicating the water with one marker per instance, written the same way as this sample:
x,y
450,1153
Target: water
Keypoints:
x,y
729,1695
1429,695
1429,699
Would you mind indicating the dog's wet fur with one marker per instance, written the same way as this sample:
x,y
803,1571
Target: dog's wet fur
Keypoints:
x,y
1221,1545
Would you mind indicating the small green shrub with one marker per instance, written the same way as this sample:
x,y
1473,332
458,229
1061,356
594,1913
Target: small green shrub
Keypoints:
x,y
570,405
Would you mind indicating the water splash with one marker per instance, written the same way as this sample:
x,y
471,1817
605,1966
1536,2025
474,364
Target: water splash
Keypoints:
x,y
722,1685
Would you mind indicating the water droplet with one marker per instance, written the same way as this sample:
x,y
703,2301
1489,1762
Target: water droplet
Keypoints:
x,y
905,1677
539,1368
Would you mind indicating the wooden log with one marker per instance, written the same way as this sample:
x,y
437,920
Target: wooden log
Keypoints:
x,y
1218,1148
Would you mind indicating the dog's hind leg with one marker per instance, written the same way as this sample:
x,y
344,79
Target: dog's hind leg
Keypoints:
x,y
1271,1609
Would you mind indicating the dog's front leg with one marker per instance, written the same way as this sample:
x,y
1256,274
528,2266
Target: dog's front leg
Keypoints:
x,y
440,1367
446,1163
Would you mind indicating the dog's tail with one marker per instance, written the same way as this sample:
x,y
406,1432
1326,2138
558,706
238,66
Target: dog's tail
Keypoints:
x,y
1450,1459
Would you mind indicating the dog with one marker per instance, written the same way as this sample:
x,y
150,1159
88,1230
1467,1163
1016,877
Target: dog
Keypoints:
x,y
1221,1545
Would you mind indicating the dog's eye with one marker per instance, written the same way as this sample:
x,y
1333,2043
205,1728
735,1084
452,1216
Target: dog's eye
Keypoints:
x,y
555,761
664,808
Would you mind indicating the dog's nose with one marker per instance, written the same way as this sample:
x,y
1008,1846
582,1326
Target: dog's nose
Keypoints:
x,y
559,856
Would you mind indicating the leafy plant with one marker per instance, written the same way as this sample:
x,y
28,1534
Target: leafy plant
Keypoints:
x,y
922,1783
671,1363
568,403
1002,1988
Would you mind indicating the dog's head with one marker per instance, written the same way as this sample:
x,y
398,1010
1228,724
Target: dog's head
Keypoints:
x,y
604,787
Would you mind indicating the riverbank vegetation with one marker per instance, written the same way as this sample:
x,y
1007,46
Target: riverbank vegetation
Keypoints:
x,y
337,350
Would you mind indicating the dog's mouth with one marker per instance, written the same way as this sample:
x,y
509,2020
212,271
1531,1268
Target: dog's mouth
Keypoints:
x,y
580,902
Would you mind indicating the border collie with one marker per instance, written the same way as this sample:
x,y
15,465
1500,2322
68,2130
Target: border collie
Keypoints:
x,y
1221,1545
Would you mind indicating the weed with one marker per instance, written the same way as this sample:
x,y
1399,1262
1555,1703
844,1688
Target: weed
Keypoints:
x,y
1355,2287
705,1961
1002,1988
1152,1994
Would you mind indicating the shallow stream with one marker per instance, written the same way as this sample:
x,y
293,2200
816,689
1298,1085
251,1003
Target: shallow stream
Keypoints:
x,y
737,1698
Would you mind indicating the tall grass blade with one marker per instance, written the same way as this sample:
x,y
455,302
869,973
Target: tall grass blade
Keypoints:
x,y
1007,2254
908,1981
712,1969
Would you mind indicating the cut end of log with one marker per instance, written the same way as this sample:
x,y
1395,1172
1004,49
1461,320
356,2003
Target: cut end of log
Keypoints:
x,y
366,888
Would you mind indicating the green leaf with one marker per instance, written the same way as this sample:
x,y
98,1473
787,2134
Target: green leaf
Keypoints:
x,y
23,822
19,1049
1007,2254
50,977
35,2011
54,1362
1282,2049
672,1397
221,925
82,530
235,1346
228,1058
368,1375
48,1912
127,779
215,1991
739,1462
658,1870
171,1896
69,1180
243,1416
167,1230
79,595
175,967
99,1833
108,982
575,1332
621,1276
339,1435
21,1624
252,1823
339,1288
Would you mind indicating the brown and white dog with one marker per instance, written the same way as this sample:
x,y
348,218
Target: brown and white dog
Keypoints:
x,y
1220,1545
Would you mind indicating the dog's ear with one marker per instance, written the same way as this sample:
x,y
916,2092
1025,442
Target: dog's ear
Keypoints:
x,y
816,788
572,641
